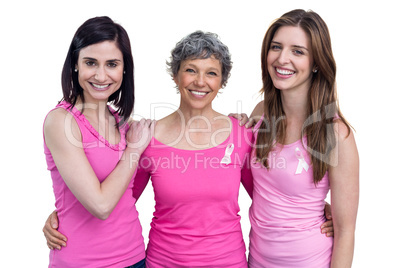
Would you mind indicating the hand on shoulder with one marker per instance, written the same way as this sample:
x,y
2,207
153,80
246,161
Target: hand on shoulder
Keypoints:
x,y
249,122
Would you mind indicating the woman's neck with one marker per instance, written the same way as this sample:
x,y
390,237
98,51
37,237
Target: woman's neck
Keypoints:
x,y
96,112
196,116
193,129
295,105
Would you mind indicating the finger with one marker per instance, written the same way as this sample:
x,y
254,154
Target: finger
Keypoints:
x,y
53,246
330,234
149,123
243,119
327,224
327,230
53,242
54,221
54,236
49,246
328,212
250,123
153,124
237,116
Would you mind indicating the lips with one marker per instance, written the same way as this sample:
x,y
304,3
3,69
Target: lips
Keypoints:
x,y
100,87
198,93
284,72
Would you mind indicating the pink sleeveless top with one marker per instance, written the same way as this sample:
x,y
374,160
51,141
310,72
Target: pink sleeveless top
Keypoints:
x,y
196,221
91,242
287,211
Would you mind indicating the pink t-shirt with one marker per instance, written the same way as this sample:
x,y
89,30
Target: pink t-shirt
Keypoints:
x,y
287,211
196,221
91,242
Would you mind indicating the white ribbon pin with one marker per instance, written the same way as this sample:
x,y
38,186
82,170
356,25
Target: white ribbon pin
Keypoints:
x,y
229,150
302,163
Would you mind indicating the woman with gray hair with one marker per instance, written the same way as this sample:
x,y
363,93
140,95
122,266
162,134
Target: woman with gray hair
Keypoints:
x,y
195,162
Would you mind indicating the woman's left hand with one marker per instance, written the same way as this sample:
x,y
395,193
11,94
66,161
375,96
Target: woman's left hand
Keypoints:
x,y
244,119
327,227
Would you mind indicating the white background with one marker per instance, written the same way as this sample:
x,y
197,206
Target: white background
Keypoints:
x,y
35,36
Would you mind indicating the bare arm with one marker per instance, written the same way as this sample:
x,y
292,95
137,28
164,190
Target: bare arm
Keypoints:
x,y
98,198
258,110
255,114
344,180
56,240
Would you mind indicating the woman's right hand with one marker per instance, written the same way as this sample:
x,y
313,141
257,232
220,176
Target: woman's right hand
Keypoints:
x,y
139,135
54,239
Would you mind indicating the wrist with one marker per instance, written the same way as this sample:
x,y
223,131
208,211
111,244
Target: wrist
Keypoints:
x,y
132,155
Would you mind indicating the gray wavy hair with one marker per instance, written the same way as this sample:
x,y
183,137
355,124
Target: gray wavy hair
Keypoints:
x,y
200,45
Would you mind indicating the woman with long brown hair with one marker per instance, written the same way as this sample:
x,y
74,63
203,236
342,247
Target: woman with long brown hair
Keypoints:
x,y
304,148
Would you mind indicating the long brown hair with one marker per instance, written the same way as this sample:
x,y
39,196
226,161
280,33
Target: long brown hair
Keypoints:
x,y
322,102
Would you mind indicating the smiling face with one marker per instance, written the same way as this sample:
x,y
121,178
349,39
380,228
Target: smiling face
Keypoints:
x,y
290,60
100,70
198,81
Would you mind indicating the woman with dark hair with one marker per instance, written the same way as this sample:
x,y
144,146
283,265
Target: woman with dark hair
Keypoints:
x,y
304,145
91,163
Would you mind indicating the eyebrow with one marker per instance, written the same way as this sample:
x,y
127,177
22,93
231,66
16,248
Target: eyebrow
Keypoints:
x,y
93,59
297,46
195,67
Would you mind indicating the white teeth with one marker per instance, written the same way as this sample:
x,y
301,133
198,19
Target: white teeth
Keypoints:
x,y
100,86
284,72
199,93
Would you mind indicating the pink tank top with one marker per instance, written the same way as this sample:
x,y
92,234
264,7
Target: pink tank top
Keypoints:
x,y
91,242
196,221
287,211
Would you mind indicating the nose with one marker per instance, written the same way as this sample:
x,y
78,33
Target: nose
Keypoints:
x,y
283,57
200,80
100,74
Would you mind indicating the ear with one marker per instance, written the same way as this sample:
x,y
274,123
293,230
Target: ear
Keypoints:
x,y
176,80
